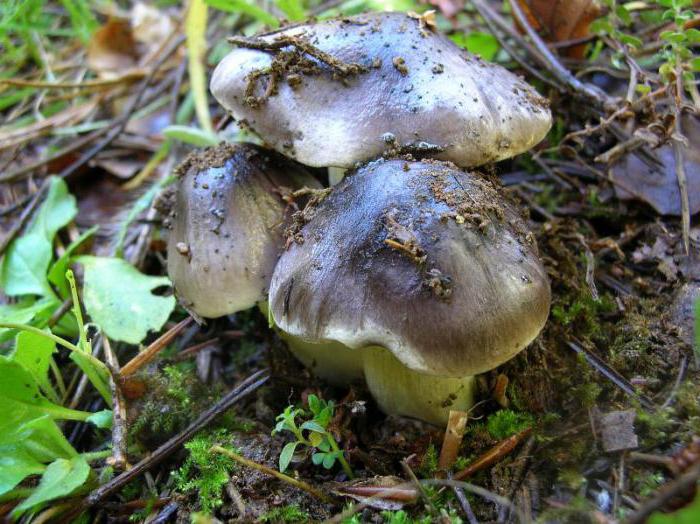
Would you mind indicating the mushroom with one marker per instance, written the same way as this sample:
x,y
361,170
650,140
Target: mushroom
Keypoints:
x,y
347,90
227,226
424,275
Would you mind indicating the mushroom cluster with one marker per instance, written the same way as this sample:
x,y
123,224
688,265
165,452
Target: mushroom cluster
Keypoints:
x,y
412,272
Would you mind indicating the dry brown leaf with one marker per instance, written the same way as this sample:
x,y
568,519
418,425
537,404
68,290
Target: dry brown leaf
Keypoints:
x,y
562,20
658,185
112,49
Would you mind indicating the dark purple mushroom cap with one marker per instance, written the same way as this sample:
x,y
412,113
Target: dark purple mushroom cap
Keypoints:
x,y
342,91
421,258
227,226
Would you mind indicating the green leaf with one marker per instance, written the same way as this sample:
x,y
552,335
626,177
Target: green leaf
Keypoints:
x,y
314,404
316,439
483,44
24,266
23,312
15,466
292,9
676,37
630,40
57,210
20,398
57,273
102,419
287,454
120,300
693,35
248,8
25,449
61,478
317,458
192,135
312,425
34,353
328,460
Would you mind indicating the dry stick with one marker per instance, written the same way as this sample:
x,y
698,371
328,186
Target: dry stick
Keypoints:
x,y
24,217
456,422
597,96
118,459
665,494
111,134
464,503
477,490
611,374
678,144
305,486
492,19
412,477
243,389
492,455
148,354
87,84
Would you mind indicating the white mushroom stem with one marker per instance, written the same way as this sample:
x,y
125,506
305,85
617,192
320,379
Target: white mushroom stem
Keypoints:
x,y
402,391
397,389
335,175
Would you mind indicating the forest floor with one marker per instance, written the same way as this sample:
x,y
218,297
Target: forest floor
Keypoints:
x,y
598,420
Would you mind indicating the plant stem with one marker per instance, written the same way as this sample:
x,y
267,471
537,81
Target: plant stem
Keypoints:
x,y
269,471
96,455
341,457
57,340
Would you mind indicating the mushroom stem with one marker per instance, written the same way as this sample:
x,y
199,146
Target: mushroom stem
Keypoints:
x,y
335,175
400,390
331,360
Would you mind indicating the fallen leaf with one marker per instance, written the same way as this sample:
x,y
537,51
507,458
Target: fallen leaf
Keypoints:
x,y
562,20
112,49
658,184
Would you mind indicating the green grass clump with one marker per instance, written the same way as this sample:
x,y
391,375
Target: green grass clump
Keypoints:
x,y
205,472
505,423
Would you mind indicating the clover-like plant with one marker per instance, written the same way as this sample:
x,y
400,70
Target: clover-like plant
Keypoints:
x,y
312,433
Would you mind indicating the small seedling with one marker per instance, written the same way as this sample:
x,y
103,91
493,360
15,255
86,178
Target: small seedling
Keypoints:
x,y
312,433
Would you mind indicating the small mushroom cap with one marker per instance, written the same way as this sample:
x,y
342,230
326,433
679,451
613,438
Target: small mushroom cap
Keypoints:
x,y
417,90
227,226
420,258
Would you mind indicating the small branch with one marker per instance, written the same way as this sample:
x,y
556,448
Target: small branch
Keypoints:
x,y
665,494
492,455
456,422
679,142
151,352
300,484
119,433
552,63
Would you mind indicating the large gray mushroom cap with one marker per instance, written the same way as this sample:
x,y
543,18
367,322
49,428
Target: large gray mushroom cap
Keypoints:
x,y
345,90
420,258
227,226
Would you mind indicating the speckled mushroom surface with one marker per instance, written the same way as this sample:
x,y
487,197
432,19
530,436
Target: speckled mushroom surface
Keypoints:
x,y
421,258
228,220
346,90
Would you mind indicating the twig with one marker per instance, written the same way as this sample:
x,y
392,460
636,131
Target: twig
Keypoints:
x,y
148,354
456,422
130,76
243,389
413,479
611,374
596,95
669,490
679,378
477,490
679,142
305,486
492,455
464,503
24,217
119,434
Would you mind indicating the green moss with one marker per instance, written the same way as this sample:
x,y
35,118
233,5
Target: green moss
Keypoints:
x,y
505,423
289,513
205,472
429,462
655,427
587,393
583,313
